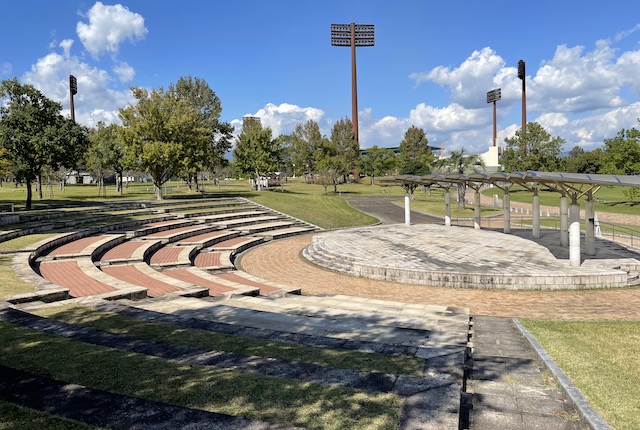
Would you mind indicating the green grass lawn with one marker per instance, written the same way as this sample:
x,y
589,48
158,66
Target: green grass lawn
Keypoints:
x,y
601,358
280,400
607,199
432,203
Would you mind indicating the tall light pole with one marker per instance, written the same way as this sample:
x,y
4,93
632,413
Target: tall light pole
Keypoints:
x,y
522,76
492,97
73,90
353,35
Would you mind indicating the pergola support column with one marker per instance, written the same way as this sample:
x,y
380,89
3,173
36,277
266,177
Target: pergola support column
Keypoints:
x,y
407,207
506,205
564,221
447,207
574,232
535,220
589,226
476,209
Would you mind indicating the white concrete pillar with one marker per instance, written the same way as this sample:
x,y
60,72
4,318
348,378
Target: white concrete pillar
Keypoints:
x,y
564,221
506,204
447,207
476,210
535,216
574,234
407,208
589,226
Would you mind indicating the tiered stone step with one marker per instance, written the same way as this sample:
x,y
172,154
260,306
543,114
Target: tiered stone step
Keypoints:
x,y
176,234
157,284
237,244
231,215
354,329
214,260
173,256
237,223
135,250
326,257
282,233
202,278
86,246
266,226
208,239
83,279
157,226
266,287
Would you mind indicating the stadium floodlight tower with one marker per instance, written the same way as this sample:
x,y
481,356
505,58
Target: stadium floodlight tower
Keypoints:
x,y
353,35
492,97
522,76
73,90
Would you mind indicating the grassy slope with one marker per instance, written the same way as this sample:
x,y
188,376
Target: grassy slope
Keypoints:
x,y
601,358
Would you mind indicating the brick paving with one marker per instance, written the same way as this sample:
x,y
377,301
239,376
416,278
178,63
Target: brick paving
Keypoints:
x,y
77,246
207,259
123,251
68,274
190,277
133,276
264,289
281,262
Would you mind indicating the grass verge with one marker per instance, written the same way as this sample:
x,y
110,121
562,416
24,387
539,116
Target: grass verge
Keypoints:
x,y
226,391
10,283
121,324
13,417
601,358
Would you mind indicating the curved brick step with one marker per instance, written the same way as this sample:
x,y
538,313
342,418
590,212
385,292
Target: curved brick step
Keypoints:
x,y
134,250
168,256
157,285
204,279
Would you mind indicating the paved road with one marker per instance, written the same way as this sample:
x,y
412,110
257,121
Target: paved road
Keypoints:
x,y
383,208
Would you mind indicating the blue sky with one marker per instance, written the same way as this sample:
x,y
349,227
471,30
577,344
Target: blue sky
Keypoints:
x,y
431,67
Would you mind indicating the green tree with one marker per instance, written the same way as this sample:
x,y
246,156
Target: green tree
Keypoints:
x,y
309,147
206,154
347,149
106,152
416,157
536,150
256,152
581,161
35,135
158,131
460,162
378,161
621,154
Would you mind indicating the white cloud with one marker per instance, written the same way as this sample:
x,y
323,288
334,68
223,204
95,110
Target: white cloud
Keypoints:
x,y
282,119
469,82
125,72
96,99
108,27
66,47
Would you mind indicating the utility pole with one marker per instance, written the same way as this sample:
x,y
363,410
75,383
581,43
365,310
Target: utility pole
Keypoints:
x,y
353,35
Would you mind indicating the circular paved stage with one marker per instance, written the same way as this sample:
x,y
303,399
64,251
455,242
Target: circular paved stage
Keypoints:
x,y
459,257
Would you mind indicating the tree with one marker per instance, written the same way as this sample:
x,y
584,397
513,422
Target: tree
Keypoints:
x,y
378,161
416,157
460,162
35,135
533,150
309,147
256,152
621,155
581,161
159,131
106,153
209,154
347,149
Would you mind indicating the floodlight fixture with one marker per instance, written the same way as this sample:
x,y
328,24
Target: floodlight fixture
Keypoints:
x,y
73,90
492,97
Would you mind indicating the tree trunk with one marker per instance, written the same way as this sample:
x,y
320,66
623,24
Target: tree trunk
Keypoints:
x,y
29,193
158,188
372,179
120,186
40,187
461,193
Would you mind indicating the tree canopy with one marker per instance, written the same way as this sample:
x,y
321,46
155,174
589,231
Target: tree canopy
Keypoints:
x,y
416,157
160,131
256,152
533,149
35,135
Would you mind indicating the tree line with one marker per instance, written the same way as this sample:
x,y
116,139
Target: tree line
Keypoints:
x,y
177,133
